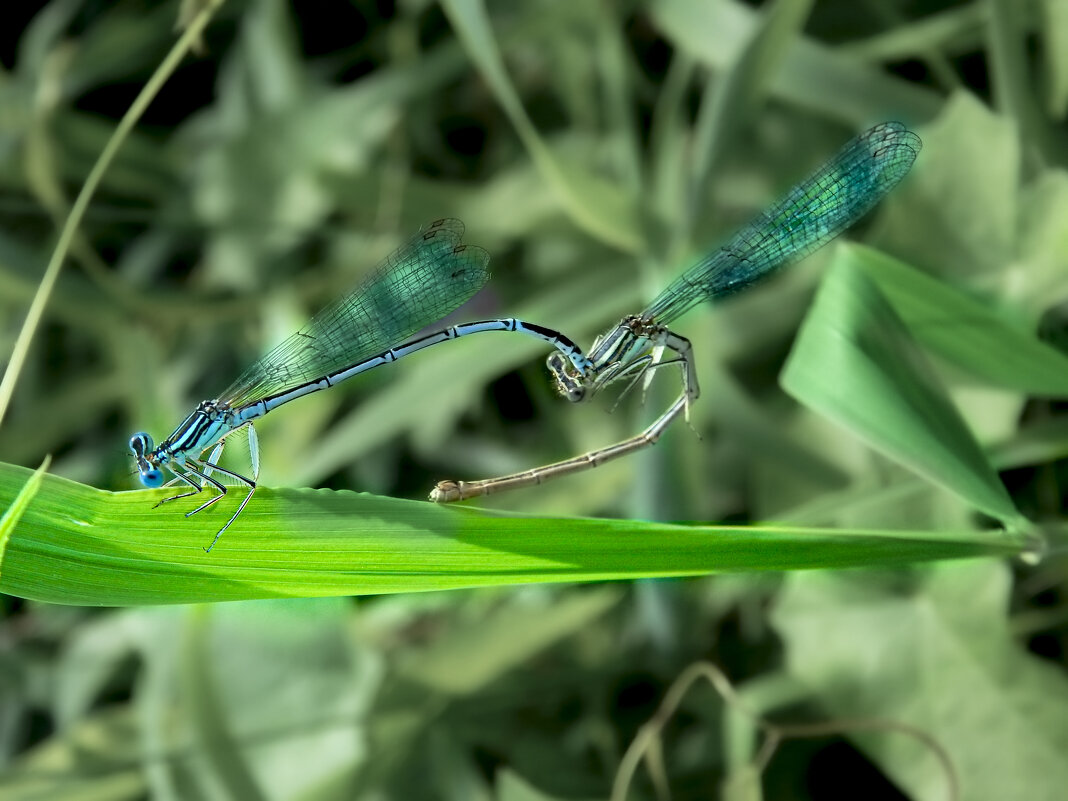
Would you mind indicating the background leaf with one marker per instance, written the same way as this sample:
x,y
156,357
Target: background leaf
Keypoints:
x,y
854,363
913,650
595,149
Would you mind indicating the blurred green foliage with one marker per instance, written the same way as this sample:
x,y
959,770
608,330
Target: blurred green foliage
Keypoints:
x,y
593,148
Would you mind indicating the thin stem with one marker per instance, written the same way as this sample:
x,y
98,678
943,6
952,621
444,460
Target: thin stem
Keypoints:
x,y
185,43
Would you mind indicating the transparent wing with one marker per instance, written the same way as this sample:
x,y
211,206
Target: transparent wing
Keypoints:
x,y
811,214
426,279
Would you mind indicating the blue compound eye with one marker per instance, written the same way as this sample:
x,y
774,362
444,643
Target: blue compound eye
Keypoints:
x,y
140,444
152,477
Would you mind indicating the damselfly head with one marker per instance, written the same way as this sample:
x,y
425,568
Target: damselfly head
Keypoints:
x,y
140,444
567,379
141,447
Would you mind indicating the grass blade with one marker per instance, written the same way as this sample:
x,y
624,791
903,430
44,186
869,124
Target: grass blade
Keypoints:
x,y
79,545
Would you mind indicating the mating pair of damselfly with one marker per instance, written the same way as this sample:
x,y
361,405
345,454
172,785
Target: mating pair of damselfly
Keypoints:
x,y
435,273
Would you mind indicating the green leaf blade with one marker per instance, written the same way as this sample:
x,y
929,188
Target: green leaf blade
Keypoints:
x,y
966,331
854,363
79,545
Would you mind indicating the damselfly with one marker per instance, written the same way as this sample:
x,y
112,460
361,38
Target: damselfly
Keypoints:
x,y
426,279
810,215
